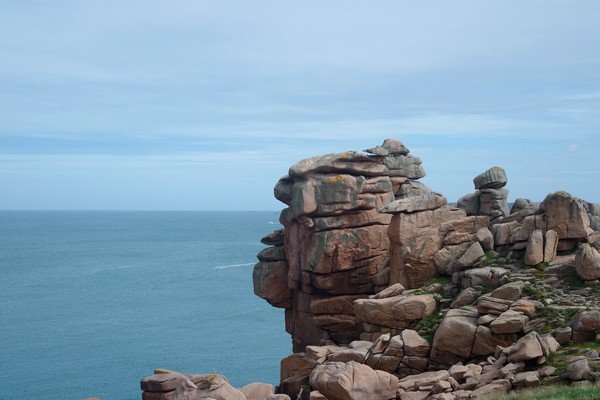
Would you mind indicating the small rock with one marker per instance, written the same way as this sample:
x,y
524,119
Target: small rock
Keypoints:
x,y
498,387
257,390
526,379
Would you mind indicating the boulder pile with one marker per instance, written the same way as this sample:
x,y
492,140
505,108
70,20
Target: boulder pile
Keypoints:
x,y
392,293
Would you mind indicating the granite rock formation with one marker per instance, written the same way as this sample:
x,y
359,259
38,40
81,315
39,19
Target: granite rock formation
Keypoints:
x,y
363,237
491,198
391,293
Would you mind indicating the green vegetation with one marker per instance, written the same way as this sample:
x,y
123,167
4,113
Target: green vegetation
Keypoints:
x,y
427,327
494,259
542,266
534,292
554,393
559,359
574,281
556,317
444,280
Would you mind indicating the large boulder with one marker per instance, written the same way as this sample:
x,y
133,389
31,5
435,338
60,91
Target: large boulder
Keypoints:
x,y
470,203
484,276
412,189
349,162
390,147
386,353
529,347
511,291
493,178
585,325
270,281
494,202
406,166
550,245
566,215
587,262
448,348
394,312
257,390
577,369
486,341
353,381
214,387
429,201
509,322
534,252
472,257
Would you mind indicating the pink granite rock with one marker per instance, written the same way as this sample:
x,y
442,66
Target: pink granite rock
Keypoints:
x,y
353,381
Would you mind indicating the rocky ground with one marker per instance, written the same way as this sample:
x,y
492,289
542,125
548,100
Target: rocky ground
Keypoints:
x,y
391,293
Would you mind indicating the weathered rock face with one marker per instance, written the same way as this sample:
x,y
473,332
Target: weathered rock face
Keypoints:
x,y
418,236
566,215
335,246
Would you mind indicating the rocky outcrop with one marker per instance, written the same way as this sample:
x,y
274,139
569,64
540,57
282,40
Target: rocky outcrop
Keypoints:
x,y
335,240
560,213
390,292
428,241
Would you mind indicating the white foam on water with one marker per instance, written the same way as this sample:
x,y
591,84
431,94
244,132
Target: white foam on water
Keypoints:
x,y
234,265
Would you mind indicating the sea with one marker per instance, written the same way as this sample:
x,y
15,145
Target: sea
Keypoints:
x,y
93,301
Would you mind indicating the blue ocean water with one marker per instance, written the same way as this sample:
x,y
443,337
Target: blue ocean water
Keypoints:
x,y
92,301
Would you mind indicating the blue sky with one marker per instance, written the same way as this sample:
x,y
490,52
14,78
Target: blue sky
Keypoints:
x,y
204,104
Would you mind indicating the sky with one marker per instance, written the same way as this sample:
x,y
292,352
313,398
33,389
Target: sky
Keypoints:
x,y
204,105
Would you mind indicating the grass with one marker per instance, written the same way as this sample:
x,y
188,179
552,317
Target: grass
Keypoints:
x,y
554,393
534,292
494,259
559,359
491,258
556,317
427,327
443,280
574,281
542,266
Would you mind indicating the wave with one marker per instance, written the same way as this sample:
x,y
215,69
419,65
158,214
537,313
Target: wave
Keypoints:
x,y
234,265
111,268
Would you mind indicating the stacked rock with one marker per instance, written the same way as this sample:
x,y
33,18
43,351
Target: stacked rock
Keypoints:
x,y
335,243
490,198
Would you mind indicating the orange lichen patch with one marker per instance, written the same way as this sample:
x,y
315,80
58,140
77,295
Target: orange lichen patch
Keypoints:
x,y
336,179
